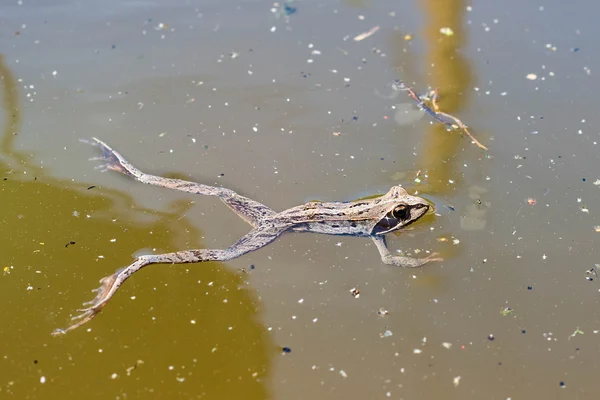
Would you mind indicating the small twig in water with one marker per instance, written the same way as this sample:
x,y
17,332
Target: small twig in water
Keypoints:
x,y
446,119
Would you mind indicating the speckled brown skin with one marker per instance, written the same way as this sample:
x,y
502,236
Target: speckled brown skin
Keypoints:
x,y
368,218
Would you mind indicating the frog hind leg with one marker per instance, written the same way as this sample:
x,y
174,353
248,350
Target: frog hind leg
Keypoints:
x,y
249,210
254,240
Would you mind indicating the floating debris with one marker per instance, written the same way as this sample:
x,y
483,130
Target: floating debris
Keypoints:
x,y
588,273
450,121
575,333
289,10
366,34
446,31
386,333
283,10
506,311
456,381
382,312
355,293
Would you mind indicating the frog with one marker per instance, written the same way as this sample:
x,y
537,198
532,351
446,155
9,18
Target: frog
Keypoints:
x,y
371,218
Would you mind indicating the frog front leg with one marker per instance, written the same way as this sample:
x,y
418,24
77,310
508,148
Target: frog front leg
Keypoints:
x,y
400,261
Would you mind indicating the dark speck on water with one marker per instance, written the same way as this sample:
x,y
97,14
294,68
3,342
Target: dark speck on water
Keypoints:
x,y
289,10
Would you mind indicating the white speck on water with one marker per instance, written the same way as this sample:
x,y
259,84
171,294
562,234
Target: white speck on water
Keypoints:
x,y
387,333
43,379
456,381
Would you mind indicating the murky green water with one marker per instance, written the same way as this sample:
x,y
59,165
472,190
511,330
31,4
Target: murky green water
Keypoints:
x,y
240,94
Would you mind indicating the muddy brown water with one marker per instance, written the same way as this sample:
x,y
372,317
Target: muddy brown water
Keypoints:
x,y
251,95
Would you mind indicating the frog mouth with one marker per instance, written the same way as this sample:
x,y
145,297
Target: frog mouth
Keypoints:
x,y
396,227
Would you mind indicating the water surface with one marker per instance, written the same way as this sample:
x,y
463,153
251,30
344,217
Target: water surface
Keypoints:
x,y
285,106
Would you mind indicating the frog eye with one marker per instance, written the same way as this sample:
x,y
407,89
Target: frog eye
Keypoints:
x,y
400,213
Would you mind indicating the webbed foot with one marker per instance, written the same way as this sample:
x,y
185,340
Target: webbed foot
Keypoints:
x,y
108,287
111,159
432,257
